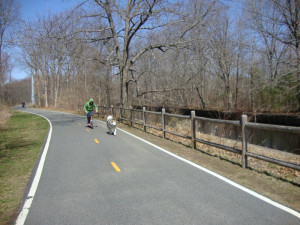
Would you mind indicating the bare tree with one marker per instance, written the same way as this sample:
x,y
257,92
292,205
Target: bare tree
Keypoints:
x,y
289,11
223,56
133,19
8,16
282,24
183,53
268,45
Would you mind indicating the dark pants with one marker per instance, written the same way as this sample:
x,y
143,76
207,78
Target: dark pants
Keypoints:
x,y
88,115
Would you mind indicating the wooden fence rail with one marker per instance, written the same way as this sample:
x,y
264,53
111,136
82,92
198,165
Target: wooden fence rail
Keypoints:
x,y
243,124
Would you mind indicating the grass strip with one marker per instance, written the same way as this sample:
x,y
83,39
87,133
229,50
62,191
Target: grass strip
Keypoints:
x,y
21,142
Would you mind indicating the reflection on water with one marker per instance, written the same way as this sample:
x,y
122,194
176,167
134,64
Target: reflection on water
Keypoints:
x,y
288,142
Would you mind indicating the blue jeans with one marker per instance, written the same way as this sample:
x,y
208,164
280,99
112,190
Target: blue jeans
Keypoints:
x,y
88,115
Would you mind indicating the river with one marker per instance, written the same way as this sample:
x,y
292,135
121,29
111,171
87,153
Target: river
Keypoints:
x,y
288,142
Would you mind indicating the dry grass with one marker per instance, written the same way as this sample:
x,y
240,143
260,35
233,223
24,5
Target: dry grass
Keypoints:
x,y
5,114
259,165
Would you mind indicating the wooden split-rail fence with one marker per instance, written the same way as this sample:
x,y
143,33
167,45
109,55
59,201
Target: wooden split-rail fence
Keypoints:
x,y
127,114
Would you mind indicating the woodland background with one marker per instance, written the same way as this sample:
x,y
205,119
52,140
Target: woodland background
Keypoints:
x,y
193,54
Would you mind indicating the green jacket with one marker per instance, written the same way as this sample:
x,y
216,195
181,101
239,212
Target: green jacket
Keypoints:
x,y
89,108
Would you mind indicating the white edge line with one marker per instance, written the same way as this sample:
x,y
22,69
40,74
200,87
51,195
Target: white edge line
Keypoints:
x,y
253,193
27,204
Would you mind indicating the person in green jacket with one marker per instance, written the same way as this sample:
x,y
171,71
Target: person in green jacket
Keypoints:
x,y
88,109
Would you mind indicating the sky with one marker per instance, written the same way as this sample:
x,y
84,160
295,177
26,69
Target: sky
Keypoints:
x,y
29,9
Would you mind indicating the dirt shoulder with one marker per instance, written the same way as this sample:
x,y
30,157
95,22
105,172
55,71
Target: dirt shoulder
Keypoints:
x,y
272,186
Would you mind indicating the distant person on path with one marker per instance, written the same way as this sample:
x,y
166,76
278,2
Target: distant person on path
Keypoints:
x,y
88,109
23,104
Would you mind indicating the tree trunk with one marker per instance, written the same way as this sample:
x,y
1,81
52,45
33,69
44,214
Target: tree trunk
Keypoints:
x,y
46,91
298,73
251,89
201,98
121,90
237,82
229,94
56,89
107,86
38,87
124,98
85,83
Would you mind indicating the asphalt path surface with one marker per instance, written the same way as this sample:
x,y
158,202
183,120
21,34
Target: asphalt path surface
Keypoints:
x,y
79,185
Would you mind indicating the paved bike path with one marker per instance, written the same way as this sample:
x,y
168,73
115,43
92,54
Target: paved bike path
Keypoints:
x,y
80,186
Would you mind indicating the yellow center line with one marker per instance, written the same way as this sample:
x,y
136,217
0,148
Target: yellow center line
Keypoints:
x,y
115,167
96,141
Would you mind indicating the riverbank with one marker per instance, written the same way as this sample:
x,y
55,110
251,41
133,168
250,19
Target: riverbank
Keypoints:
x,y
276,118
288,142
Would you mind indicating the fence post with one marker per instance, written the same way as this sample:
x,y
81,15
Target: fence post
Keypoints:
x,y
163,111
104,110
244,141
130,107
144,119
193,114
